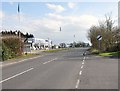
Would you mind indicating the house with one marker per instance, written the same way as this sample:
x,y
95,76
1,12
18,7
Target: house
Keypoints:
x,y
38,44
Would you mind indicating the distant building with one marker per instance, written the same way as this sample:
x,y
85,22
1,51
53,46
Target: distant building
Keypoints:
x,y
38,44
62,45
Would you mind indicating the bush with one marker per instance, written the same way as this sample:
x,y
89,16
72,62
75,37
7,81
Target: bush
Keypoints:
x,y
7,52
12,47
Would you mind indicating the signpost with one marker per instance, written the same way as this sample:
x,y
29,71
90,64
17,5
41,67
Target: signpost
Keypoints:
x,y
99,38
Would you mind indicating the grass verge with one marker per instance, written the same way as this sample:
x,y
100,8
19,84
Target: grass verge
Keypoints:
x,y
110,54
105,54
22,57
55,50
93,51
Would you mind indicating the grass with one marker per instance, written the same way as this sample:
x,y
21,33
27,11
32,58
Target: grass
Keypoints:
x,y
32,55
25,56
94,51
105,54
109,54
55,50
22,56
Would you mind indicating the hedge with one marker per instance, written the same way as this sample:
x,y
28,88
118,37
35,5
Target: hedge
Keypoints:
x,y
11,47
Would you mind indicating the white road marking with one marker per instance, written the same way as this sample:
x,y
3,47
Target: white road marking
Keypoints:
x,y
47,62
36,57
81,66
29,59
16,75
80,73
77,84
21,61
84,58
50,61
9,64
82,62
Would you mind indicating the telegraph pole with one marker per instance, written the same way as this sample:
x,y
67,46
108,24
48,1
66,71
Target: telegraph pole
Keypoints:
x,y
19,33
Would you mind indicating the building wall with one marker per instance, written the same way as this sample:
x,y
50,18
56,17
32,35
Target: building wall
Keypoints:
x,y
41,43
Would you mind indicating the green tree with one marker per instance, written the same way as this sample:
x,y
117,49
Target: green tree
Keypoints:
x,y
12,46
107,30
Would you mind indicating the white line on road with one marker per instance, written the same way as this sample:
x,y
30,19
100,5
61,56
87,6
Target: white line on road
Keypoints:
x,y
50,61
83,62
9,64
22,61
81,66
77,84
16,75
80,73
47,62
29,59
36,57
84,58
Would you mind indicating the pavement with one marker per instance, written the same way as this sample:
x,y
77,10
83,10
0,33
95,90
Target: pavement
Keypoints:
x,y
67,69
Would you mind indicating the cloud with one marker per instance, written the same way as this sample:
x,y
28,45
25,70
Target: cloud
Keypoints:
x,y
49,26
1,14
70,25
71,5
83,20
57,8
11,2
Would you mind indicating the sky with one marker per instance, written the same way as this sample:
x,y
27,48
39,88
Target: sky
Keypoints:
x,y
44,19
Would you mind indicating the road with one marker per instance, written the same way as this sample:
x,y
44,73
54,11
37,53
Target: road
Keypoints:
x,y
67,69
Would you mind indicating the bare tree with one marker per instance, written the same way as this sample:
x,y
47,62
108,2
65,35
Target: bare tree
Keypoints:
x,y
107,30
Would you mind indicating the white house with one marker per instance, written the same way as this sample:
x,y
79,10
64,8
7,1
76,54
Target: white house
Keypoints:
x,y
38,43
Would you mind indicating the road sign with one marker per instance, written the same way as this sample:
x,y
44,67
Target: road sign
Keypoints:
x,y
99,37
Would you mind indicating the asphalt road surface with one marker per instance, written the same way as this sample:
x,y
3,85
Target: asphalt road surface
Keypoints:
x,y
67,69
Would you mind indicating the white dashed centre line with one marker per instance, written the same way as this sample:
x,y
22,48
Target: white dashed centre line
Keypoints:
x,y
82,62
84,58
50,61
16,75
80,73
77,84
81,66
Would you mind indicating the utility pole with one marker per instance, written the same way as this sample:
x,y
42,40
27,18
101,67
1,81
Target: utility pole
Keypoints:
x,y
19,33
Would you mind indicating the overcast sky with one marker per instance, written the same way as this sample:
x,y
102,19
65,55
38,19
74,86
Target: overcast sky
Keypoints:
x,y
44,19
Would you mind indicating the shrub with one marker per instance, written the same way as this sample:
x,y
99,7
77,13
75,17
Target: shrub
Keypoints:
x,y
7,52
12,47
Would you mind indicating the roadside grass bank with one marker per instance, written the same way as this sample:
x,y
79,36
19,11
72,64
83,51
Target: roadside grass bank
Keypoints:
x,y
28,55
55,50
105,54
110,54
93,51
23,56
